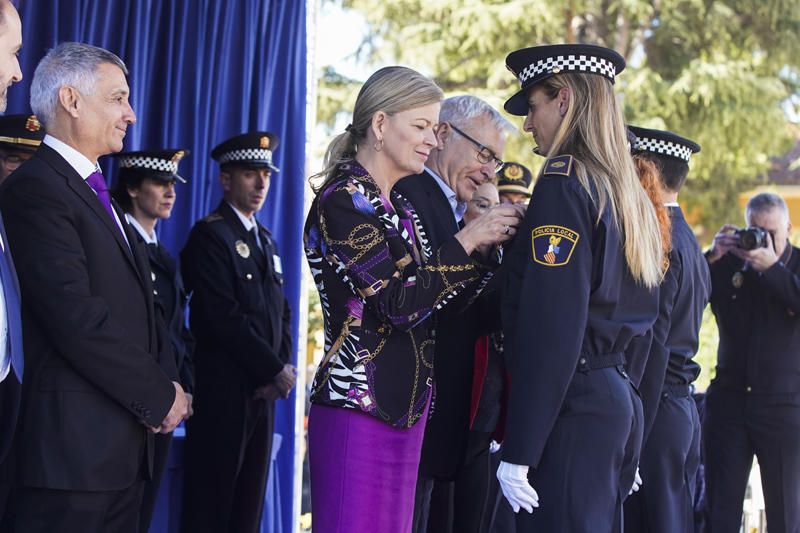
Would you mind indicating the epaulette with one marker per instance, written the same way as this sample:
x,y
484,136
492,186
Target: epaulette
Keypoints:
x,y
560,165
213,217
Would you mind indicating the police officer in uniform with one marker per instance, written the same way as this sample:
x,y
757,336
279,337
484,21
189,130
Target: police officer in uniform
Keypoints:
x,y
514,183
145,189
671,451
581,282
20,136
241,322
753,403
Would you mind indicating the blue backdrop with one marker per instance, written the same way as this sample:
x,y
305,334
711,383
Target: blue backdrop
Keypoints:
x,y
201,71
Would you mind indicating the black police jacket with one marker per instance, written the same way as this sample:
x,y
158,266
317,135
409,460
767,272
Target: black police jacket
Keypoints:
x,y
759,327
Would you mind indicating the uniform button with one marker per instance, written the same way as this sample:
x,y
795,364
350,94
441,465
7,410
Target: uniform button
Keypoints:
x,y
155,292
249,276
749,388
582,361
733,297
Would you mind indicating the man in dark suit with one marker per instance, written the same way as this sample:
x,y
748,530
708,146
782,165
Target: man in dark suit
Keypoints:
x,y
454,468
241,321
11,360
94,393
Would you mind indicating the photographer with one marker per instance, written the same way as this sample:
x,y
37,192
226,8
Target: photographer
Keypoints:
x,y
753,404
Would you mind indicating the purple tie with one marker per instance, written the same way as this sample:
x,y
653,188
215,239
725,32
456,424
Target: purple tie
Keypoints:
x,y
98,183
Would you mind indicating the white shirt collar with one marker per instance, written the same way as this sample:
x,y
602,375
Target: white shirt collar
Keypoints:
x,y
76,160
248,223
457,207
149,239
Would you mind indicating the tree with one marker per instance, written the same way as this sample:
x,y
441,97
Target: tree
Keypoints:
x,y
722,72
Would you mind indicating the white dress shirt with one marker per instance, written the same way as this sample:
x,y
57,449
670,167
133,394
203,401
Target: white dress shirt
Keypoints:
x,y
458,208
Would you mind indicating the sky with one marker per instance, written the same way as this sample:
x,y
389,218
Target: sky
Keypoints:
x,y
339,33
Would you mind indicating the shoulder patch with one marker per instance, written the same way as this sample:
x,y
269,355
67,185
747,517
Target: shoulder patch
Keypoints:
x,y
213,217
553,245
560,165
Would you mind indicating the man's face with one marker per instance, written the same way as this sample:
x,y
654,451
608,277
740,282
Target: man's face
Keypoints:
x,y
105,115
246,188
10,44
514,198
458,163
10,161
777,223
154,198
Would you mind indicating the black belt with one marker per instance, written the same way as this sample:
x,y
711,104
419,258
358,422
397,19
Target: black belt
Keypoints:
x,y
677,391
596,362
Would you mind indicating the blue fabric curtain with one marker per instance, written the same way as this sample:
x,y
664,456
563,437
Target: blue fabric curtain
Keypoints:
x,y
201,71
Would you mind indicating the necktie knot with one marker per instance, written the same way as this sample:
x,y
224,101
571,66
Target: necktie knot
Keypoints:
x,y
97,182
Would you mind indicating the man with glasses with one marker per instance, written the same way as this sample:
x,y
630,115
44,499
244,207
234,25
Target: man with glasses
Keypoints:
x,y
454,468
20,136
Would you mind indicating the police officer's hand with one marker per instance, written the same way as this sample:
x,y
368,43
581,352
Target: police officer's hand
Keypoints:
x,y
179,409
637,483
190,401
286,380
760,259
268,392
514,483
724,241
493,226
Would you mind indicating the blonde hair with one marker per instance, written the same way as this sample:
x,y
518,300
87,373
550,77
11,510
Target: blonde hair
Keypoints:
x,y
593,131
391,90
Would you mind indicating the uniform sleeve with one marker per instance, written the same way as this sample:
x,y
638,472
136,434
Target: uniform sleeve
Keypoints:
x,y
784,285
355,235
208,275
545,312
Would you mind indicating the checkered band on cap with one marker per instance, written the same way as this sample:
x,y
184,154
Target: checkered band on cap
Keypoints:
x,y
658,146
152,163
572,62
246,154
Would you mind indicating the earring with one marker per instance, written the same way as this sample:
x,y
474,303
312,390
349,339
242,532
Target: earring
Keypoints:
x,y
378,145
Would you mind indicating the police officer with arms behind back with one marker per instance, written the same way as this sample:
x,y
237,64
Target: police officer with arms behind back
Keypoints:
x,y
753,403
241,321
581,283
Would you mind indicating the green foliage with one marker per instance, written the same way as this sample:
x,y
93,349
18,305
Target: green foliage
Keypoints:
x,y
718,71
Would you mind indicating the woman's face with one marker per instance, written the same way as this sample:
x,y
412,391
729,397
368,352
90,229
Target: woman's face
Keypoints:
x,y
484,198
408,138
544,117
153,198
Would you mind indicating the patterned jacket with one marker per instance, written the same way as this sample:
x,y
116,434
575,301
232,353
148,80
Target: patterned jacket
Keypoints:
x,y
379,283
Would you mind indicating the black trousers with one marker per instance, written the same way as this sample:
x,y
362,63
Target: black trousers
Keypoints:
x,y
737,426
460,505
226,466
590,458
10,390
64,511
162,444
668,465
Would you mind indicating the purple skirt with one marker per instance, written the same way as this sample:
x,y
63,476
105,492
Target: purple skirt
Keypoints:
x,y
363,471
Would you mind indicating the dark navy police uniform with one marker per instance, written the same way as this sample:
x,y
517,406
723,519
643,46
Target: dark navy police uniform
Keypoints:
x,y
570,309
753,403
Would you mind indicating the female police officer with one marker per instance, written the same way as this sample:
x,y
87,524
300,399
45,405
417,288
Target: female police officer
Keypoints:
x,y
579,287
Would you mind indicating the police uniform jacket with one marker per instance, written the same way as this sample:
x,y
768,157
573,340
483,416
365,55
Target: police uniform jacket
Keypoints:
x,y
759,326
379,282
570,305
683,296
170,299
238,313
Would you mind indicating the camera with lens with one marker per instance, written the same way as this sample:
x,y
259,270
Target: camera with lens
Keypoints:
x,y
752,238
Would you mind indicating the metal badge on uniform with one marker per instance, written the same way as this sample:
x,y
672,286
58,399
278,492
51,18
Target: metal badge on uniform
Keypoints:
x,y
553,245
276,263
737,280
242,249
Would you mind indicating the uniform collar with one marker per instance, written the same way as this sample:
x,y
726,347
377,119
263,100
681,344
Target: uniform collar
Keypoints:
x,y
149,239
248,223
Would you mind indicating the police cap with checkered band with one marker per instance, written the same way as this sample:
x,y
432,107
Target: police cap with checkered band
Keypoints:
x,y
20,133
160,165
532,65
250,150
663,143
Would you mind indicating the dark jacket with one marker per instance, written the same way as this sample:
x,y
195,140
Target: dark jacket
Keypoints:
x,y
92,380
380,282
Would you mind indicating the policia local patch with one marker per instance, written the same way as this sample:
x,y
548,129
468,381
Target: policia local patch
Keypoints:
x,y
553,245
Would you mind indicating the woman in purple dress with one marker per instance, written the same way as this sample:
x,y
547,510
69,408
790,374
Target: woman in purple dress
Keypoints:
x,y
379,283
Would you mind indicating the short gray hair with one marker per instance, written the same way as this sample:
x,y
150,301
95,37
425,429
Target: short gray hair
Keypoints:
x,y
73,64
462,108
765,201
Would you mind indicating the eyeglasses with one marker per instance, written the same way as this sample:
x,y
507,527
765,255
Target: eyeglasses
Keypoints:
x,y
484,154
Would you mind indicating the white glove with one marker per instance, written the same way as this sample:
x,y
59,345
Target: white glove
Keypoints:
x,y
494,447
514,483
637,482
